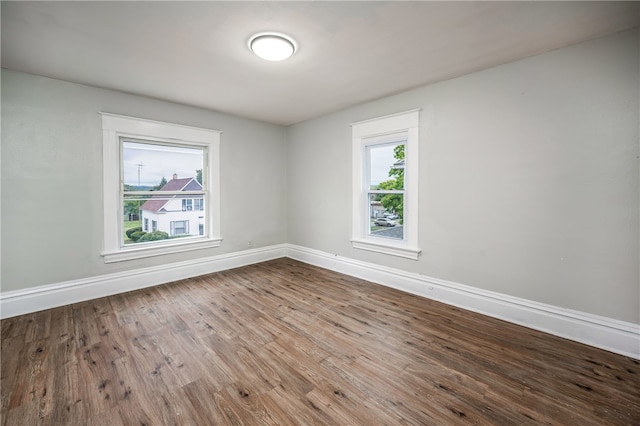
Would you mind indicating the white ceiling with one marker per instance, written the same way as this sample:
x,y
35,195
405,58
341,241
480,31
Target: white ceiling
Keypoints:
x,y
196,53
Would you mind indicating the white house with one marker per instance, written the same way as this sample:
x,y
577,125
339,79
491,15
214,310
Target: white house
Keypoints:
x,y
175,214
377,209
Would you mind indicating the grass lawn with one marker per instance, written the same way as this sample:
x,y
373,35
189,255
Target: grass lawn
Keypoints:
x,y
132,224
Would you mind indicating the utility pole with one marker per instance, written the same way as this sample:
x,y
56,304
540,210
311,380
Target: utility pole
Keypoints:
x,y
140,166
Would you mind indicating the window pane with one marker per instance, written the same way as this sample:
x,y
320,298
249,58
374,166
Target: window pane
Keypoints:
x,y
163,217
386,166
180,227
187,204
386,215
150,167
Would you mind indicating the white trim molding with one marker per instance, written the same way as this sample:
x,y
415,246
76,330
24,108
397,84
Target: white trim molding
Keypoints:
x,y
115,128
176,246
401,128
605,333
19,302
388,248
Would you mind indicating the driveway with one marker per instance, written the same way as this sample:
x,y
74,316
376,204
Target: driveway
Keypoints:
x,y
394,232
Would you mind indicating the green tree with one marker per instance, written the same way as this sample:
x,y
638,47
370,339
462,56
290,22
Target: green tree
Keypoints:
x,y
199,176
162,183
398,172
131,208
394,202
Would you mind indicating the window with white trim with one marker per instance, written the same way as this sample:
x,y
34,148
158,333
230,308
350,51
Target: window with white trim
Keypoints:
x,y
179,227
138,157
187,204
385,184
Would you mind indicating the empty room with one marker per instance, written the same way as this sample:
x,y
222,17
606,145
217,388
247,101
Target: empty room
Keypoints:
x,y
320,213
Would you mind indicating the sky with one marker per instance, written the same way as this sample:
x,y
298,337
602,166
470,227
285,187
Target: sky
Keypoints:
x,y
157,162
381,161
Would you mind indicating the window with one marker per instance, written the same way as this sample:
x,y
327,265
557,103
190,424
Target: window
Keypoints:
x,y
179,227
385,185
198,203
152,172
384,181
146,191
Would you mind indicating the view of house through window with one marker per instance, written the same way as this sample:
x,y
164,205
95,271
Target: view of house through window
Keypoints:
x,y
385,183
162,192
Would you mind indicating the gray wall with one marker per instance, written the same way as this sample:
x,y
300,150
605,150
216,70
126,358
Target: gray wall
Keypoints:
x,y
528,178
52,179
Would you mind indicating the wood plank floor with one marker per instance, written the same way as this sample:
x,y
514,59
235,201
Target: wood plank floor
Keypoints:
x,y
284,343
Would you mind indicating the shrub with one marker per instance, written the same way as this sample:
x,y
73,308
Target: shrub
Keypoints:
x,y
135,236
132,230
154,236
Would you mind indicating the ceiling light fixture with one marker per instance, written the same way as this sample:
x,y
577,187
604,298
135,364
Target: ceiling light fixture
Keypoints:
x,y
272,46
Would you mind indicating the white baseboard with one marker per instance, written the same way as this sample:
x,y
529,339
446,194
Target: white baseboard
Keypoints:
x,y
605,333
602,332
19,302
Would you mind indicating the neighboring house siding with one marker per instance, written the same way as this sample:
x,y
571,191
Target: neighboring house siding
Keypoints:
x,y
377,210
164,212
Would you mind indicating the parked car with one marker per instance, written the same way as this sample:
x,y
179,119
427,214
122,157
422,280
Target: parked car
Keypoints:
x,y
393,217
383,221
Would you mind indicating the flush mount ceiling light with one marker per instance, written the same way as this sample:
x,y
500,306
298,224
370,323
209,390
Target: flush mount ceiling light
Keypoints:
x,y
272,46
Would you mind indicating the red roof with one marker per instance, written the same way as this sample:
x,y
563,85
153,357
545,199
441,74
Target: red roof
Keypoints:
x,y
176,184
184,184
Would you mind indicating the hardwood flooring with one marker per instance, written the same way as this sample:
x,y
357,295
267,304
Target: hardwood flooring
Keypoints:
x,y
285,343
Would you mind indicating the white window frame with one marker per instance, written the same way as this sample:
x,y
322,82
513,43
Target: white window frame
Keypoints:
x,y
174,227
372,132
116,127
199,202
186,203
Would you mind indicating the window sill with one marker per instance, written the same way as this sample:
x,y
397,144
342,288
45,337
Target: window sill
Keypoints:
x,y
137,252
391,249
